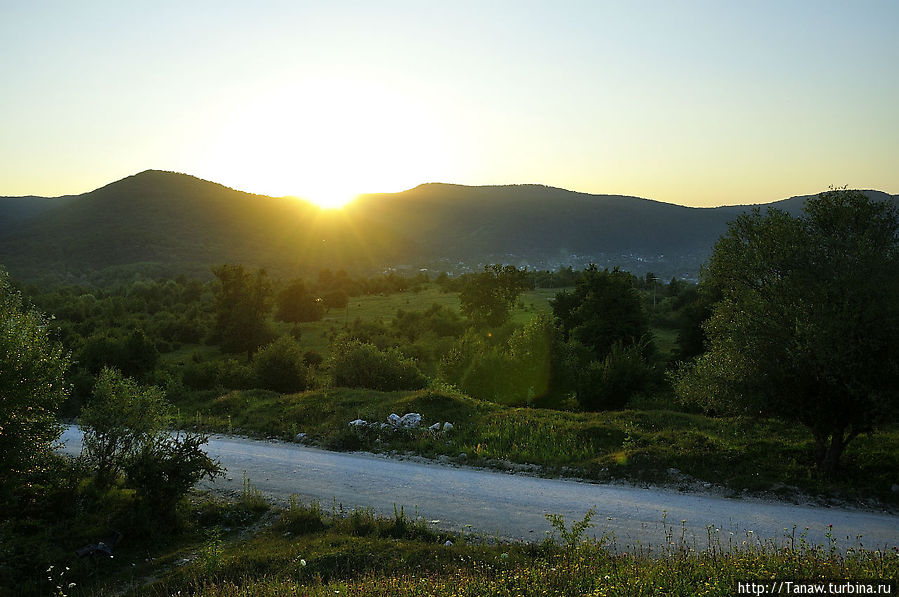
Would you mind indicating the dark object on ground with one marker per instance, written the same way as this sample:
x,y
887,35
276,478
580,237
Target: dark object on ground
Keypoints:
x,y
103,548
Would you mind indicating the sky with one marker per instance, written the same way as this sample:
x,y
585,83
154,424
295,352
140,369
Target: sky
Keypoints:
x,y
688,102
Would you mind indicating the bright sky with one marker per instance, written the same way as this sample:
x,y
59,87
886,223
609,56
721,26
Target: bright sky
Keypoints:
x,y
697,103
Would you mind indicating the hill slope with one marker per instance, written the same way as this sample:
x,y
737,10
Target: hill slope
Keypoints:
x,y
184,224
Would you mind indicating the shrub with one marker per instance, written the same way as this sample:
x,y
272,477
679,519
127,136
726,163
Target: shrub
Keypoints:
x,y
279,366
610,383
357,364
164,469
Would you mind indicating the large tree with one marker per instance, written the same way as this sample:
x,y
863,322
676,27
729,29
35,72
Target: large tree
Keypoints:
x,y
32,387
806,328
604,309
296,304
488,297
241,306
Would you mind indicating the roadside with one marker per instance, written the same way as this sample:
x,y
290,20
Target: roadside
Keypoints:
x,y
487,503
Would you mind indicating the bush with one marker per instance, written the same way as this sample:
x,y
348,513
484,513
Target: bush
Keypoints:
x,y
491,376
279,367
313,359
610,383
357,364
165,468
118,420
218,375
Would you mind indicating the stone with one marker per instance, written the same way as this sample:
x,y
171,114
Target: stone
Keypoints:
x,y
434,427
300,437
410,420
448,543
447,426
895,488
393,419
358,423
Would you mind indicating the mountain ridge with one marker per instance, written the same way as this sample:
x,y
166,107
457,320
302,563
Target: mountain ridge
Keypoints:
x,y
183,223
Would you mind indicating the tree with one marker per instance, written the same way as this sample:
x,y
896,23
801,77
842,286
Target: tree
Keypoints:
x,y
806,328
32,387
296,304
542,365
241,306
488,297
118,420
602,310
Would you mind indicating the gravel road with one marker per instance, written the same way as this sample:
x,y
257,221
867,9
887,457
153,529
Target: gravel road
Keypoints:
x,y
513,506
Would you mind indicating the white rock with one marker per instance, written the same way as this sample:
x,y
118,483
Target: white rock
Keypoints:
x,y
447,426
448,543
300,437
434,427
410,420
393,419
358,423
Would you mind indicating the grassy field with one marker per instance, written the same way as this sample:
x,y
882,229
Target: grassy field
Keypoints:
x,y
317,335
758,455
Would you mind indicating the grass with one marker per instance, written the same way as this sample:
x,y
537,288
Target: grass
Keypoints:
x,y
246,547
640,445
308,552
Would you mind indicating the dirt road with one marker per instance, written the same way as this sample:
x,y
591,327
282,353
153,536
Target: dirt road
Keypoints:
x,y
514,506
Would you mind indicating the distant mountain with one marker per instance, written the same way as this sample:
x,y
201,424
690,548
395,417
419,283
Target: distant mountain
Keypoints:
x,y
179,223
545,227
15,212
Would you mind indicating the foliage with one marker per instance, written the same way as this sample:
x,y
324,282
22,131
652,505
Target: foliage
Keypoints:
x,y
639,445
610,383
487,298
280,366
32,387
296,304
357,364
573,536
481,366
134,355
121,417
806,329
241,306
602,309
165,467
544,365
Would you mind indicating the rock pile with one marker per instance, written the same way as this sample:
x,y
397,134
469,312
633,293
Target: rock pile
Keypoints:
x,y
407,421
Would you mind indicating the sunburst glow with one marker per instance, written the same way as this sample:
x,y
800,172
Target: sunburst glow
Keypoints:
x,y
325,141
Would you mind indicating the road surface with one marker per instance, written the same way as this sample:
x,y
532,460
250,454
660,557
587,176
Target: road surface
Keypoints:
x,y
513,506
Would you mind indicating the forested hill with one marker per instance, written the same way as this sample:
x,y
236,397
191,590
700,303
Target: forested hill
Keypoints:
x,y
179,223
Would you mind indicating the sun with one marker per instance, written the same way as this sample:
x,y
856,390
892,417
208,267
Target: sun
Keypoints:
x,y
324,140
